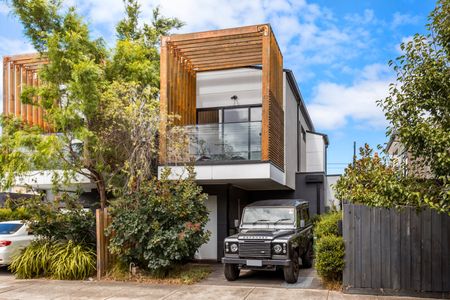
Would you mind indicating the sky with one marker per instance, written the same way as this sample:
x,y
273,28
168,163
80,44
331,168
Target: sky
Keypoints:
x,y
338,50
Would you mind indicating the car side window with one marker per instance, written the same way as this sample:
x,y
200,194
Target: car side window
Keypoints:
x,y
299,217
305,214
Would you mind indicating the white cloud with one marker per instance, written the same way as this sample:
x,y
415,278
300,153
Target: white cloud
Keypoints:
x,y
307,33
4,9
400,19
366,18
333,104
9,46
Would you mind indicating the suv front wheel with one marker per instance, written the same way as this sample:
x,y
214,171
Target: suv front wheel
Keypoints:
x,y
231,271
291,272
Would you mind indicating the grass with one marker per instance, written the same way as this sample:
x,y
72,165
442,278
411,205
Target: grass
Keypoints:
x,y
333,285
182,274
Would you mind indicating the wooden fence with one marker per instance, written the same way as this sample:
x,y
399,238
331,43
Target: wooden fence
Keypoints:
x,y
103,220
396,252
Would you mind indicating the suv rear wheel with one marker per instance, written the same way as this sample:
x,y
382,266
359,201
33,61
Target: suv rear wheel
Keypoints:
x,y
231,271
291,272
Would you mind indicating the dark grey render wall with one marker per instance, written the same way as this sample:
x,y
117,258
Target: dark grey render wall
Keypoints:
x,y
396,252
308,186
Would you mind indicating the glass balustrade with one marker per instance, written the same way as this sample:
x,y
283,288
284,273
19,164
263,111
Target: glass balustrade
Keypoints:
x,y
225,141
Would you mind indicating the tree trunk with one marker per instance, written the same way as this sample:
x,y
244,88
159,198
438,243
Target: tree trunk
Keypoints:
x,y
102,192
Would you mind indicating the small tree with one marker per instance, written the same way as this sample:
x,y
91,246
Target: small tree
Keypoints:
x,y
100,104
418,106
374,182
160,224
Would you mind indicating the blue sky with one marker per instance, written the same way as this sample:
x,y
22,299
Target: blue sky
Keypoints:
x,y
338,51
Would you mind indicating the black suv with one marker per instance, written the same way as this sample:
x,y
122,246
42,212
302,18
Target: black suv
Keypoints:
x,y
272,234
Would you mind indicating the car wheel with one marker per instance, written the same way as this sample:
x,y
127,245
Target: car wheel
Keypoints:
x,y
307,258
231,271
291,272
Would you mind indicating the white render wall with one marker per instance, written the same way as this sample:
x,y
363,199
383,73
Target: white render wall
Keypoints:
x,y
215,88
332,202
315,153
290,133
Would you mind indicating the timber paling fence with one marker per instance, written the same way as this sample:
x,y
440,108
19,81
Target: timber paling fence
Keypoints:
x,y
389,251
104,257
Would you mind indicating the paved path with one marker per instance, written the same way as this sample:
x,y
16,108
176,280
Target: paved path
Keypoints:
x,y
11,288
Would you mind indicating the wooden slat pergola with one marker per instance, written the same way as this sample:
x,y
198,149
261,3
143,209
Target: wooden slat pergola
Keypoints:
x,y
20,71
183,55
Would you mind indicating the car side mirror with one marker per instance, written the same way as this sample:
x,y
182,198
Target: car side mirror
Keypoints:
x,y
302,223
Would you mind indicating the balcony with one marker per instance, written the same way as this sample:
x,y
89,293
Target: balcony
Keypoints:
x,y
221,142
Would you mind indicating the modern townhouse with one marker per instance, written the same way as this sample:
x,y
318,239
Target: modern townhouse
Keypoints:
x,y
251,137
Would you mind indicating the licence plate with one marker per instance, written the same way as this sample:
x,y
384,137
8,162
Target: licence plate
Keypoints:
x,y
254,263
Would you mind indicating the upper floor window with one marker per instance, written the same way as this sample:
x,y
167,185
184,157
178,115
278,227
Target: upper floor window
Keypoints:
x,y
229,115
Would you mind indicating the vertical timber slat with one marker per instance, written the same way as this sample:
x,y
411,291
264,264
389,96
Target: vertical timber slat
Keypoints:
x,y
426,251
17,102
405,246
445,253
366,247
348,243
5,85
375,242
416,254
163,98
436,247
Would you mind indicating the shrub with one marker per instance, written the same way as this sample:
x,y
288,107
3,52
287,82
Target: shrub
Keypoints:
x,y
330,257
327,224
58,260
160,224
9,214
50,221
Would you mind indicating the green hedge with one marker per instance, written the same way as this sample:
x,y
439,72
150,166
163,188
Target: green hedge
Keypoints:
x,y
327,225
329,248
8,214
330,257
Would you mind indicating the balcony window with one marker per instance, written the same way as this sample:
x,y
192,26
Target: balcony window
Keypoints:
x,y
228,133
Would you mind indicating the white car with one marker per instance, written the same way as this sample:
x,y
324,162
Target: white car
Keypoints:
x,y
14,236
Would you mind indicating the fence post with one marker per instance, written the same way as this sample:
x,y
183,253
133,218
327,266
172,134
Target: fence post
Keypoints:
x,y
100,236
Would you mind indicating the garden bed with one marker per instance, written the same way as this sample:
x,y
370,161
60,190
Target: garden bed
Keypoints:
x,y
184,274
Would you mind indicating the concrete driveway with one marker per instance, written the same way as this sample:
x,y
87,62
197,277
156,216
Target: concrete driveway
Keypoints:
x,y
307,279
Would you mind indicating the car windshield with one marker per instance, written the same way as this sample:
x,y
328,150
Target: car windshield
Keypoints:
x,y
9,228
269,215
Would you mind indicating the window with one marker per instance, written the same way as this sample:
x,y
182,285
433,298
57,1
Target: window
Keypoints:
x,y
235,115
228,133
256,114
9,228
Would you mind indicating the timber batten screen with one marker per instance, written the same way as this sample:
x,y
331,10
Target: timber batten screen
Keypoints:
x,y
20,71
183,55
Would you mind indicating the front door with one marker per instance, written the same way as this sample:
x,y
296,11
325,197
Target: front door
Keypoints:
x,y
209,250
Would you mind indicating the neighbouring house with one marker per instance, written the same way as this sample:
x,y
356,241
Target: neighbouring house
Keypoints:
x,y
403,160
332,203
250,134
20,71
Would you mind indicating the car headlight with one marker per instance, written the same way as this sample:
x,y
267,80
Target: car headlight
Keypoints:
x,y
277,248
234,248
